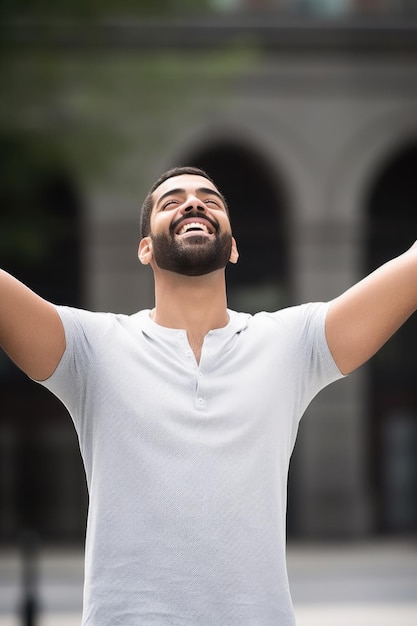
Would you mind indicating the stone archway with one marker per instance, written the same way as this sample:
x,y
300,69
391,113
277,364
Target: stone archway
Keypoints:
x,y
392,228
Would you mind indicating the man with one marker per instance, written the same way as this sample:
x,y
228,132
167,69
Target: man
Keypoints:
x,y
187,415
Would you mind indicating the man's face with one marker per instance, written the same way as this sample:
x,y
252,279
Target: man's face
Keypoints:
x,y
190,228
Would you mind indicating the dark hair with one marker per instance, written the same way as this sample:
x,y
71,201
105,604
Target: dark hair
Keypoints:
x,y
146,210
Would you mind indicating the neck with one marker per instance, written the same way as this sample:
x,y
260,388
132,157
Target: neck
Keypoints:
x,y
196,303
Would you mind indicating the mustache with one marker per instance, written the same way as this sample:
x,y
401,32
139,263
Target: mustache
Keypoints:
x,y
192,215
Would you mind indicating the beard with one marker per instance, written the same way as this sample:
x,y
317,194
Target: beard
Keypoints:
x,y
195,255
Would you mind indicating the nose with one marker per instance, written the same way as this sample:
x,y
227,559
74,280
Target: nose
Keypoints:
x,y
193,204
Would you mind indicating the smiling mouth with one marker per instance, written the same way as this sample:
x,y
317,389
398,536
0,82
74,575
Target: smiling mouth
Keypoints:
x,y
194,225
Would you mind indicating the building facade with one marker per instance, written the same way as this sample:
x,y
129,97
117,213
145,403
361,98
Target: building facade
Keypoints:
x,y
310,130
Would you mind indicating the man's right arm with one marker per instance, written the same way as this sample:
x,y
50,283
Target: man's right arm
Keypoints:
x,y
31,331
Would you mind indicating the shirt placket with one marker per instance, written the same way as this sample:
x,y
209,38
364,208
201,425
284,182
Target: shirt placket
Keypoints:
x,y
200,396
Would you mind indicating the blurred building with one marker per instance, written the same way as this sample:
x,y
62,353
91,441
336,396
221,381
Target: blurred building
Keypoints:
x,y
305,114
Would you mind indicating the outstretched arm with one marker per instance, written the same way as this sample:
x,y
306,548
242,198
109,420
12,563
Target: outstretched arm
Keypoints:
x,y
31,332
363,318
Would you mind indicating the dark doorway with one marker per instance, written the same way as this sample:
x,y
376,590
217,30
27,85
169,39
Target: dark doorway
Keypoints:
x,y
392,228
258,208
42,487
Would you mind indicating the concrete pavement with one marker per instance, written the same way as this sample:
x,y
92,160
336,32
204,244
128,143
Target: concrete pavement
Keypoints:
x,y
353,584
358,584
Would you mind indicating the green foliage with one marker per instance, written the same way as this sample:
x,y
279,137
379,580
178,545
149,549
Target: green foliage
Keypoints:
x,y
96,105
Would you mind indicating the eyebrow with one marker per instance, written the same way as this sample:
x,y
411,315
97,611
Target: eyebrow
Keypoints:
x,y
200,190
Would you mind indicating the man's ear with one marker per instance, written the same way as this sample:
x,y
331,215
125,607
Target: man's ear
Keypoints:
x,y
234,255
145,251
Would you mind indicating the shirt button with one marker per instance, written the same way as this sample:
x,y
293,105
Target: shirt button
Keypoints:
x,y
188,353
181,335
200,401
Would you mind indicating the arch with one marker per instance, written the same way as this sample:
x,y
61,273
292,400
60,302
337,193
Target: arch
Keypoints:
x,y
361,157
41,244
258,203
391,227
283,150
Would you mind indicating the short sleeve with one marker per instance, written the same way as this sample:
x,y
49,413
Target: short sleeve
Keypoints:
x,y
83,332
315,364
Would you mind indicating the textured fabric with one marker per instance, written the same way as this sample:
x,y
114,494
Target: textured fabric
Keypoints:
x,y
187,464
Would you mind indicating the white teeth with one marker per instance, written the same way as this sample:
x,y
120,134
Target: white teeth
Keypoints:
x,y
193,225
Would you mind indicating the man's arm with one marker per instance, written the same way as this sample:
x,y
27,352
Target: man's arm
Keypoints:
x,y
31,331
362,319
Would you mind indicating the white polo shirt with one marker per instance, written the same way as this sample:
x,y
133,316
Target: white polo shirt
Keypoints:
x,y
187,463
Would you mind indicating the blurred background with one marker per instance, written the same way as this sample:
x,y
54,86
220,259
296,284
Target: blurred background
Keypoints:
x,y
305,114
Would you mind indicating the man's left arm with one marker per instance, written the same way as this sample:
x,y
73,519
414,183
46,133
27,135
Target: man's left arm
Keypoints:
x,y
363,318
